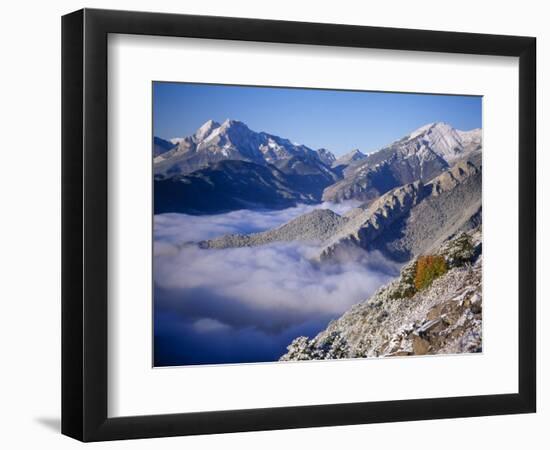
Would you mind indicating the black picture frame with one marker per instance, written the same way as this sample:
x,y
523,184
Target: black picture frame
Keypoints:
x,y
84,224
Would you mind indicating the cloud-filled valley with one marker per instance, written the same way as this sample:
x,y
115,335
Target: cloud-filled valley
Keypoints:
x,y
247,304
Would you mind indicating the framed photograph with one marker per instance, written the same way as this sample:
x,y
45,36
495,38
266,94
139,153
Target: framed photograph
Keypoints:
x,y
273,224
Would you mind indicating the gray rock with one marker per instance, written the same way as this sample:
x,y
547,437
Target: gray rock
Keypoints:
x,y
316,226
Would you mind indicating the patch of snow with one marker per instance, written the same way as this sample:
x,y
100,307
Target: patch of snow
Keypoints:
x,y
420,130
176,140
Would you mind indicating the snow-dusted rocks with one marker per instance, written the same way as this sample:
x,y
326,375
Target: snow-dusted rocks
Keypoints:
x,y
443,318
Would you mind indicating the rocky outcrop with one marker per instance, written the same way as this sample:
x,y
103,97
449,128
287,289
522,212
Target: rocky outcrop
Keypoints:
x,y
326,156
316,226
365,225
401,320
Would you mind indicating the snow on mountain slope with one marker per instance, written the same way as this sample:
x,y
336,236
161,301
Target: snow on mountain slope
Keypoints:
x,y
206,129
445,140
421,155
161,146
232,140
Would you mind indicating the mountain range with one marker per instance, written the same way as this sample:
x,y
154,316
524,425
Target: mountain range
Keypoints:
x,y
402,223
227,166
232,140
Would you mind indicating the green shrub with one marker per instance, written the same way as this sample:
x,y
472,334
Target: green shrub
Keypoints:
x,y
428,268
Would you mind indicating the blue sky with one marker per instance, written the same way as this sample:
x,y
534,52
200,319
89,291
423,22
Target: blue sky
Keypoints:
x,y
337,120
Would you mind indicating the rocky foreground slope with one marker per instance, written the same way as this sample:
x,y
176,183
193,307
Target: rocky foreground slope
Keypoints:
x,y
420,313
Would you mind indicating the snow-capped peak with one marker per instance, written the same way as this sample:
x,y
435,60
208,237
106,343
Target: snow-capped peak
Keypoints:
x,y
350,157
227,123
205,129
440,126
445,140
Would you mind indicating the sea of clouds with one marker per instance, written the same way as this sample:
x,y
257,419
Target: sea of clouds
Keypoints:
x,y
247,304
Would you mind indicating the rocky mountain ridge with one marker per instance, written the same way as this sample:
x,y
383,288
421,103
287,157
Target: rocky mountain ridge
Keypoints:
x,y
296,172
229,185
232,140
161,146
316,226
401,224
410,219
419,156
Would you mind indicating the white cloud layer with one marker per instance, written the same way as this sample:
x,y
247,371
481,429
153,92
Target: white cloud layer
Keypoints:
x,y
268,290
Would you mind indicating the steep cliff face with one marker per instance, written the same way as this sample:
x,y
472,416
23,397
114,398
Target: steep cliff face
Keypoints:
x,y
412,315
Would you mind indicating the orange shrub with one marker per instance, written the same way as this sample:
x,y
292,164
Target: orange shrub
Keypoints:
x,y
428,268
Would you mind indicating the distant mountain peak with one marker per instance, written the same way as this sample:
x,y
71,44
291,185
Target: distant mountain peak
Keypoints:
x,y
234,140
445,140
326,156
425,128
349,157
205,129
227,123
210,123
